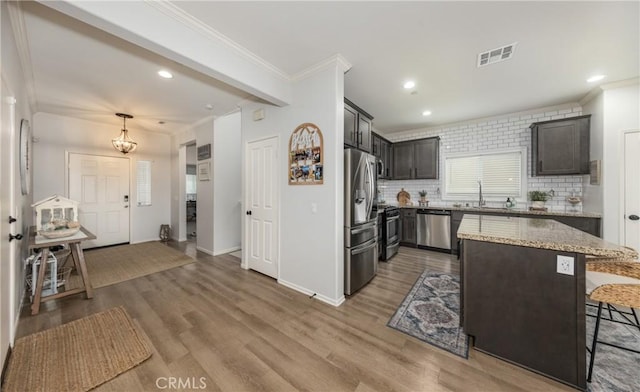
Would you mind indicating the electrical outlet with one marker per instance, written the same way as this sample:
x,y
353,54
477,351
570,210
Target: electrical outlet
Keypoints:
x,y
564,265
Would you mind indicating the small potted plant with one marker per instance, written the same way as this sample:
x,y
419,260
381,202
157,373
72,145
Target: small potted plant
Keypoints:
x,y
538,198
423,196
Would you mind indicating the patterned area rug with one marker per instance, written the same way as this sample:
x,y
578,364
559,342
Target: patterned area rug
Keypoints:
x,y
614,370
430,312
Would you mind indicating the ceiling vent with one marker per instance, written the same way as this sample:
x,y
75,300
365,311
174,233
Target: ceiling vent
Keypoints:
x,y
496,55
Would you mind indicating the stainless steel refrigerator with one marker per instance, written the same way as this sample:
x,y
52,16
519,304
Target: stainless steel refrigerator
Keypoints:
x,y
360,220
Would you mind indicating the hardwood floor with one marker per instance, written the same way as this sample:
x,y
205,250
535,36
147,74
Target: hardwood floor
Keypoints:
x,y
218,327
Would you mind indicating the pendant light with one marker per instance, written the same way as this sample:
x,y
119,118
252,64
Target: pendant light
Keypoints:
x,y
123,143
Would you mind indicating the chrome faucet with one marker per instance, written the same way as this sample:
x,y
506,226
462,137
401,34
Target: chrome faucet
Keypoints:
x,y
481,201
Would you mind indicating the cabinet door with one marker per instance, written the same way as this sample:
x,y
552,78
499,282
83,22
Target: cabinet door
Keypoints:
x,y
364,133
402,161
350,126
425,158
456,219
408,224
385,156
376,145
561,147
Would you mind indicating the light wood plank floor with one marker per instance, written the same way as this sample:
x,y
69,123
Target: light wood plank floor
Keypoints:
x,y
241,331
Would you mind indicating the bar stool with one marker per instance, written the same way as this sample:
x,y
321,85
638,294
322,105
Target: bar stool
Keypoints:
x,y
616,283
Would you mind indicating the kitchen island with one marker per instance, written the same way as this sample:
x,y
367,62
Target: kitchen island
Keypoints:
x,y
523,291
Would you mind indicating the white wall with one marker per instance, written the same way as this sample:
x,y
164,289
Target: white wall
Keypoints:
x,y
13,272
56,135
204,227
311,244
507,131
227,184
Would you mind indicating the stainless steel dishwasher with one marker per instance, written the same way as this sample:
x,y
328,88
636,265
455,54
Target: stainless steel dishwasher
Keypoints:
x,y
434,228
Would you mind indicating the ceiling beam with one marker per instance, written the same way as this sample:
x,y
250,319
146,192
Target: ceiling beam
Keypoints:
x,y
165,29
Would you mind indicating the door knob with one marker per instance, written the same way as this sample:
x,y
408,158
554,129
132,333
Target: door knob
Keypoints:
x,y
634,217
12,219
15,237
248,212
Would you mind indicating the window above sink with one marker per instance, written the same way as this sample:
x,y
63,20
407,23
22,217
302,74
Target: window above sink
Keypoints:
x,y
503,173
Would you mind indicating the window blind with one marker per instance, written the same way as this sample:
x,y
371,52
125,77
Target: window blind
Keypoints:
x,y
144,182
501,174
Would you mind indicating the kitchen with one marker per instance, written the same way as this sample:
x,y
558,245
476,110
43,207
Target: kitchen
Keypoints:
x,y
416,201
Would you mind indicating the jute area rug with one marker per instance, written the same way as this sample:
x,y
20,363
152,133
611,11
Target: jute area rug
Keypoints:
x,y
107,266
430,312
77,356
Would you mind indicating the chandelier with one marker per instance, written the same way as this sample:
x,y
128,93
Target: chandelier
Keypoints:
x,y
123,143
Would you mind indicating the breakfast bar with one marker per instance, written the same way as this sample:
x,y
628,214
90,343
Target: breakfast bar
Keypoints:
x,y
523,291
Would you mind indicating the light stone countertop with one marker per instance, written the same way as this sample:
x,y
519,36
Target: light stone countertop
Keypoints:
x,y
537,233
506,211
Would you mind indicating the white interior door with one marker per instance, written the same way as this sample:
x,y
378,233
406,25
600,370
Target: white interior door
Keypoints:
x,y
101,185
632,190
7,208
262,207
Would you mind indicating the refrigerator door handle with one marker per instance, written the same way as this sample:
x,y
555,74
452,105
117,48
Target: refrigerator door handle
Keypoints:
x,y
369,180
364,228
364,247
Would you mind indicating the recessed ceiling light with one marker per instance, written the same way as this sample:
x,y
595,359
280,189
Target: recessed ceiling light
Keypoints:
x,y
165,74
409,84
426,113
595,78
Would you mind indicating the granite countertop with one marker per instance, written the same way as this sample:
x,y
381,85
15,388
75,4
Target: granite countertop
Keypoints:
x,y
537,233
506,211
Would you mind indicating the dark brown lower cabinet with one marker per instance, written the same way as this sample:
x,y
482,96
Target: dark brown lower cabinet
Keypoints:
x,y
518,308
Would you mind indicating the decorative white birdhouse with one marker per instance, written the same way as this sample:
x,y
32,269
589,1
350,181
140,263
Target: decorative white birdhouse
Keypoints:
x,y
54,213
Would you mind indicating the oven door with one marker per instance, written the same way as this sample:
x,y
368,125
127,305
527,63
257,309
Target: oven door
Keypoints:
x,y
393,229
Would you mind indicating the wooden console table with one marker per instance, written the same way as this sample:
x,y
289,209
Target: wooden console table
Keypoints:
x,y
36,241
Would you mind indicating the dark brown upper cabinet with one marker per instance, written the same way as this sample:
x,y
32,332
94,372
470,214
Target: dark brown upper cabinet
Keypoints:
x,y
382,151
357,127
416,159
560,147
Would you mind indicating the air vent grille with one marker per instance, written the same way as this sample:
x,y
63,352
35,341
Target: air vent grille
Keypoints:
x,y
496,55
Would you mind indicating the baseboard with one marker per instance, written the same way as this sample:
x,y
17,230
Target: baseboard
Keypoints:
x,y
310,293
225,251
207,251
147,240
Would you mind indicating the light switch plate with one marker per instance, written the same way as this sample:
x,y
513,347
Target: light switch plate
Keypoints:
x,y
564,265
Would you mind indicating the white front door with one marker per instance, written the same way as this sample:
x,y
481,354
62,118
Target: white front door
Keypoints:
x,y
7,208
632,190
101,185
262,207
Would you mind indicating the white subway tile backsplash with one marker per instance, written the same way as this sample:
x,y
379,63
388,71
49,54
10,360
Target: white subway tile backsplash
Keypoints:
x,y
489,134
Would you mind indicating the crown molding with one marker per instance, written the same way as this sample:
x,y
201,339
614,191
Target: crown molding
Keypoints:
x,y
322,65
16,16
177,13
608,86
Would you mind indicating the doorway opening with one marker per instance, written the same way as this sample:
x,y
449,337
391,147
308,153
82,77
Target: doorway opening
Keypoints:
x,y
191,193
